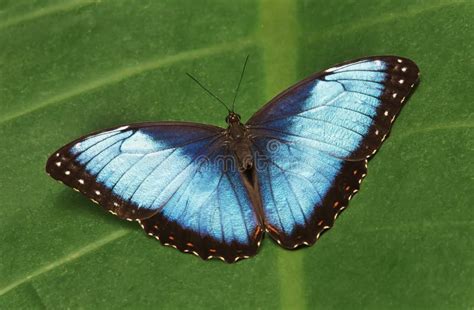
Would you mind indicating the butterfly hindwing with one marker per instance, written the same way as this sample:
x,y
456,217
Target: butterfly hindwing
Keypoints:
x,y
171,178
303,189
314,139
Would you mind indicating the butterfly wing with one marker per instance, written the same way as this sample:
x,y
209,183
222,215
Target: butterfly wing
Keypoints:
x,y
171,179
314,139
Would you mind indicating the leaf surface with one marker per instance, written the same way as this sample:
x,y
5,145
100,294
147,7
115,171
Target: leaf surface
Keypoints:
x,y
71,67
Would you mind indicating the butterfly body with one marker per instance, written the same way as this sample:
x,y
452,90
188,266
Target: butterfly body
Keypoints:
x,y
239,142
289,170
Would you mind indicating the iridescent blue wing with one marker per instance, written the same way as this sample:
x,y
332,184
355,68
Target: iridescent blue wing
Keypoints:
x,y
170,177
313,141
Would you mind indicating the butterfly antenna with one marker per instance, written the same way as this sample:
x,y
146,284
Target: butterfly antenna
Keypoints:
x,y
240,81
208,91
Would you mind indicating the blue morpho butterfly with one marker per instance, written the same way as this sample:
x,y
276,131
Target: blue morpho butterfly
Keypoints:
x,y
289,171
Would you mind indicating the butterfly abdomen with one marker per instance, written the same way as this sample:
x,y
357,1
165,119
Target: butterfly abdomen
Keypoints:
x,y
240,145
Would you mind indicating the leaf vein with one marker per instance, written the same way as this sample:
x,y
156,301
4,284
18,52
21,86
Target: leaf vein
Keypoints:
x,y
66,259
128,72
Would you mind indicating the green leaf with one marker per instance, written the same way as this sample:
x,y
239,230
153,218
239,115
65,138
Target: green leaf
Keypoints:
x,y
71,67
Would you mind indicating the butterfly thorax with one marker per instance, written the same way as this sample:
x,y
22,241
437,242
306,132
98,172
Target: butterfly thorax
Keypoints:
x,y
239,142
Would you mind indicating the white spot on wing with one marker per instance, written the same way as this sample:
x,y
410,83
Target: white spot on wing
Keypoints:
x,y
121,128
331,69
